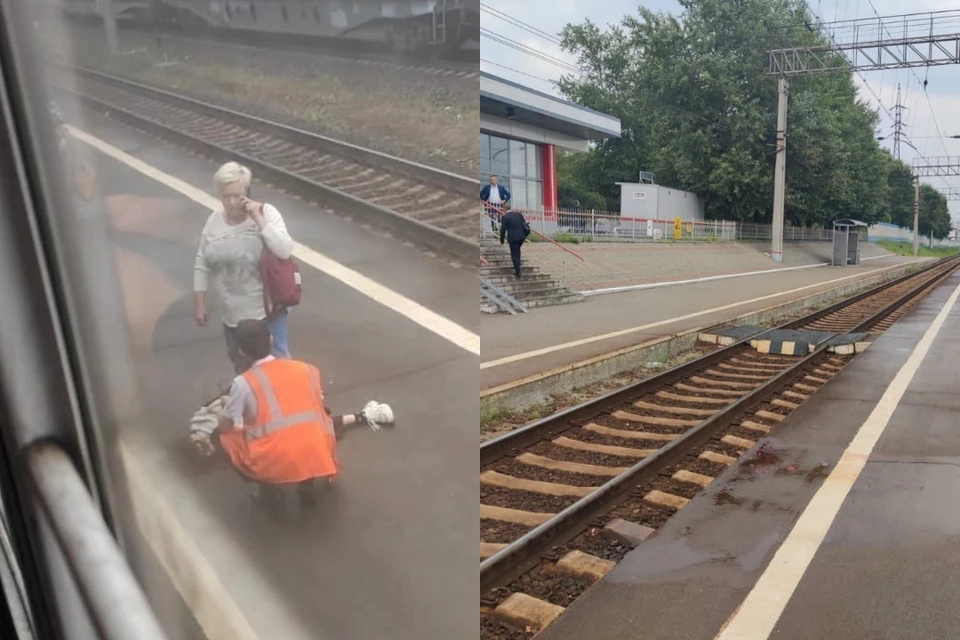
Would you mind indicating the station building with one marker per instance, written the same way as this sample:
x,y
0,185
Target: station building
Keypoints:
x,y
520,132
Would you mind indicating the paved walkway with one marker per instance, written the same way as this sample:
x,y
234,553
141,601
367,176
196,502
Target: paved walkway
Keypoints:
x,y
609,264
515,347
847,527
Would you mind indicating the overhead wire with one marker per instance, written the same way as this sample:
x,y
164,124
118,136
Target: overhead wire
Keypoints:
x,y
545,57
923,85
523,73
903,137
496,13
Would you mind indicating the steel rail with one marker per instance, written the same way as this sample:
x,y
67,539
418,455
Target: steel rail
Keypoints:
x,y
550,426
523,553
441,241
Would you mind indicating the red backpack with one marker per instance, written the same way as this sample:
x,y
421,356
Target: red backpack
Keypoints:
x,y
281,281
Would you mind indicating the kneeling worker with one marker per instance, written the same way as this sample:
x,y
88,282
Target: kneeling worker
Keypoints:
x,y
276,428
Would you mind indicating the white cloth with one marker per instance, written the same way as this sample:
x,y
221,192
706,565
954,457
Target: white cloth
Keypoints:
x,y
494,194
202,425
206,420
231,254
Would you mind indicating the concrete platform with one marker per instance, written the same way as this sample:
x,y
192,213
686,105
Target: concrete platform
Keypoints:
x,y
516,347
879,562
392,554
606,265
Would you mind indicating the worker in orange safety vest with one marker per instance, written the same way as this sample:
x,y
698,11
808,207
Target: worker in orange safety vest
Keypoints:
x,y
276,428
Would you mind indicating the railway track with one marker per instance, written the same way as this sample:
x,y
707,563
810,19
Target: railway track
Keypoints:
x,y
565,498
427,207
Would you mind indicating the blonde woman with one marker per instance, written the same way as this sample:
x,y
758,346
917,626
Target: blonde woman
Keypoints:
x,y
230,246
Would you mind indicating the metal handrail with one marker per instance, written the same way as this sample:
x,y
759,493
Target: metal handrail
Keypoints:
x,y
547,238
501,295
117,606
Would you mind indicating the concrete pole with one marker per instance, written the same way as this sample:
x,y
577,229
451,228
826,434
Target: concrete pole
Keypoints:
x,y
916,215
110,22
780,173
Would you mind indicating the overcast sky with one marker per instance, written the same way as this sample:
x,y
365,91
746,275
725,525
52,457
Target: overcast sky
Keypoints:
x,y
942,97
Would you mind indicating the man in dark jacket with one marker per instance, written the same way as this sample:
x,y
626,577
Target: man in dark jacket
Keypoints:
x,y
494,196
514,226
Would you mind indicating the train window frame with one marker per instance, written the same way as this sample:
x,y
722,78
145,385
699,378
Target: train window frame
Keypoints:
x,y
51,449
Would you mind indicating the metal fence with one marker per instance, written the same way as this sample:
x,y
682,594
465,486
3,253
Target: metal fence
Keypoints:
x,y
575,226
566,225
755,231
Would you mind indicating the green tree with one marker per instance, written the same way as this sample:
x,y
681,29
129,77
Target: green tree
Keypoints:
x,y
934,214
575,182
698,108
901,193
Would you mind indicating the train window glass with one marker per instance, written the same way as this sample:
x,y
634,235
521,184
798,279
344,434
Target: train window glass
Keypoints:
x,y
151,243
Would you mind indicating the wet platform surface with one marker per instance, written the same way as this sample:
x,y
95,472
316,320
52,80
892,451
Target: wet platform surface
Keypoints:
x,y
393,554
889,565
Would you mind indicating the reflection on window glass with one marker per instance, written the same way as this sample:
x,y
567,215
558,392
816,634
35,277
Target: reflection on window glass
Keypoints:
x,y
518,160
239,325
499,156
533,161
535,195
518,192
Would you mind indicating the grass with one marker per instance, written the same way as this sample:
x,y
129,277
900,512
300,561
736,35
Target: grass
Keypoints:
x,y
492,414
496,420
906,249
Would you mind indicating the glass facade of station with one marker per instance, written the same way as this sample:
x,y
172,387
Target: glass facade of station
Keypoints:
x,y
518,167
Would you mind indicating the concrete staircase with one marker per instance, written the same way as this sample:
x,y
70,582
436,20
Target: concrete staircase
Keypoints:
x,y
533,289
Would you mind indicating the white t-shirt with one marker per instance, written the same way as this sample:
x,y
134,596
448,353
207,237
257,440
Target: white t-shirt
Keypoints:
x,y
231,254
494,194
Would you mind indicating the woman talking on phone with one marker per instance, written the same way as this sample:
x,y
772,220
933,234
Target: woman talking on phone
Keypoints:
x,y
230,250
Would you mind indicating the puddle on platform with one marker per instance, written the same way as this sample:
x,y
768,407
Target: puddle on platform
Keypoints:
x,y
763,461
724,497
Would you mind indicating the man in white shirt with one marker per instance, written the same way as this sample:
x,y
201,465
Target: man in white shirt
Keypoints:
x,y
494,196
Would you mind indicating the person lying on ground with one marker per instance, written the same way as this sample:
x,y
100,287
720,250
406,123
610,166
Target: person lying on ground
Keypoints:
x,y
275,426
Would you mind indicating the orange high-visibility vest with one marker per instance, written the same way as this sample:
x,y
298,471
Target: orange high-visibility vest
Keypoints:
x,y
292,437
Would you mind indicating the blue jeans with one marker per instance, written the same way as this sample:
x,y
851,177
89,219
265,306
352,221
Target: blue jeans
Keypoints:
x,y
279,325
